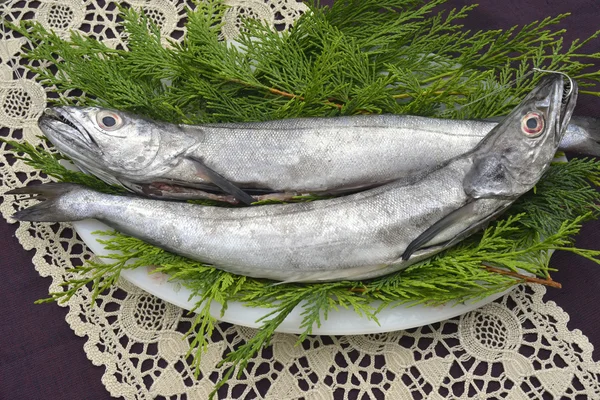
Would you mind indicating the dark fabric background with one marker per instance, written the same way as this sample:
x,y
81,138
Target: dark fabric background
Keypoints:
x,y
41,358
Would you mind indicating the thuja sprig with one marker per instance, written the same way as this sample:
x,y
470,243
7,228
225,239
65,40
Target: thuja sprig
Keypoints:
x,y
48,162
329,64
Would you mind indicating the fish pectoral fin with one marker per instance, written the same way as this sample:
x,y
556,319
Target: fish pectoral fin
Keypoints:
x,y
437,228
474,227
222,182
449,221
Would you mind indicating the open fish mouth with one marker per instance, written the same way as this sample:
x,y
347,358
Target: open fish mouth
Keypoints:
x,y
73,140
66,133
568,101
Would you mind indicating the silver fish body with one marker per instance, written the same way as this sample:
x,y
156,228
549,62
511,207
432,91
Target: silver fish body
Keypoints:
x,y
345,153
359,236
307,155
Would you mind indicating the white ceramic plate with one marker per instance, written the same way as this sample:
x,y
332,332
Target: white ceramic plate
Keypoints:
x,y
342,322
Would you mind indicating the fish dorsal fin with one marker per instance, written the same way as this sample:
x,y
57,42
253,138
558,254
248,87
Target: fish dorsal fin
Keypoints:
x,y
223,183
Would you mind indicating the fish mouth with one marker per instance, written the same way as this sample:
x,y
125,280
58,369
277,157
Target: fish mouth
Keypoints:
x,y
65,132
557,94
568,89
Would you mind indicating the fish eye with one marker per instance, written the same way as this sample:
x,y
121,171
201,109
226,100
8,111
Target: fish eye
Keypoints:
x,y
532,124
109,120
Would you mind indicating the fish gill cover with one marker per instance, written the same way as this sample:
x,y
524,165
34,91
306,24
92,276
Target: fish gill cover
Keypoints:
x,y
356,57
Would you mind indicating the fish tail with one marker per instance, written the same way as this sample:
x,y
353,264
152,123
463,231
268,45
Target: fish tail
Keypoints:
x,y
58,204
591,144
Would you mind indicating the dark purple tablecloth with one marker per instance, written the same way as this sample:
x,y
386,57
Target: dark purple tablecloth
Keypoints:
x,y
41,358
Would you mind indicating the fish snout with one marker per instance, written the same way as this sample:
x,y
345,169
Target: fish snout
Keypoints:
x,y
65,131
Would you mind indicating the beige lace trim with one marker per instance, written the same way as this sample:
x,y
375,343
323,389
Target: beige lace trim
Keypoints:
x,y
518,347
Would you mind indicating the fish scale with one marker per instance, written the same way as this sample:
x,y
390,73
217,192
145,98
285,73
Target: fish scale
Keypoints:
x,y
297,168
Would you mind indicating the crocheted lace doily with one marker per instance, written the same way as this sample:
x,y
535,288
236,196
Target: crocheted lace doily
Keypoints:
x,y
518,347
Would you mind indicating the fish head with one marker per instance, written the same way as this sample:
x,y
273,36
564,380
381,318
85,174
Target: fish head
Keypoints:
x,y
114,145
514,155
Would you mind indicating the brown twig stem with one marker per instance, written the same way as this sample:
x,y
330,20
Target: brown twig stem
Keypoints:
x,y
409,95
530,279
285,94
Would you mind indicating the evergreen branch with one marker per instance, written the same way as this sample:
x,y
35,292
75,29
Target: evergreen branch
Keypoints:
x,y
285,94
242,355
100,275
326,65
597,94
42,159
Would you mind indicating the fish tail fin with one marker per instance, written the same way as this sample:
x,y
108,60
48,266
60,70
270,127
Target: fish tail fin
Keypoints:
x,y
591,128
57,206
